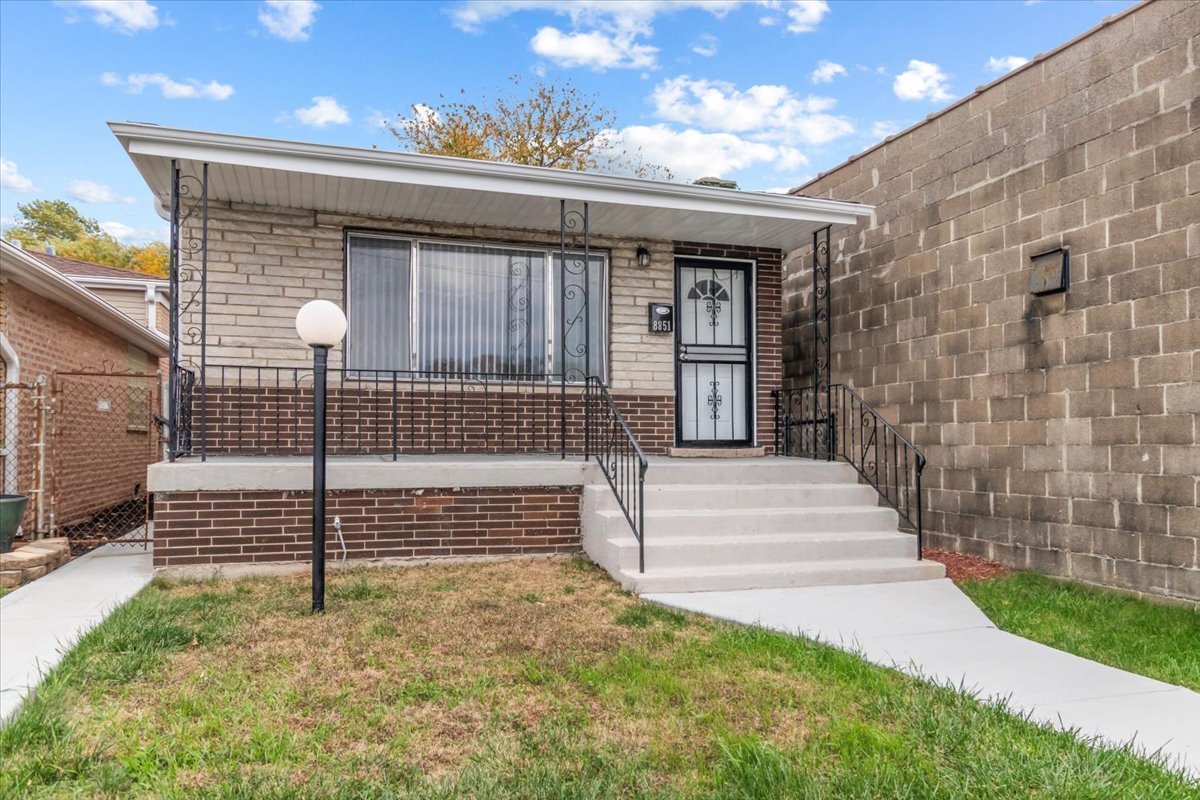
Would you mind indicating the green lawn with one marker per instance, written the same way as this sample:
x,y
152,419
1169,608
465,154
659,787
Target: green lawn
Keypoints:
x,y
508,680
1158,641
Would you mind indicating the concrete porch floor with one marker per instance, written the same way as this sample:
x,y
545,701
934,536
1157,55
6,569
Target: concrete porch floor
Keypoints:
x,y
433,471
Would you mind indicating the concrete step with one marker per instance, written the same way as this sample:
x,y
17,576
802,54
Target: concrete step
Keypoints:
x,y
685,497
733,521
728,472
779,575
717,551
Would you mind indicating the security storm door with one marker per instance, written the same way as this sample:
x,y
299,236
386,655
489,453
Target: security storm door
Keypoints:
x,y
713,353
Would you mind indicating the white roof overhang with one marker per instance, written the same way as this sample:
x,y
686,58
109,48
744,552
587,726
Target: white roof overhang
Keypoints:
x,y
376,183
44,281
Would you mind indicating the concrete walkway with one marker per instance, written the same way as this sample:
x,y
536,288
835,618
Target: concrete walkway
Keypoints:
x,y
931,630
42,620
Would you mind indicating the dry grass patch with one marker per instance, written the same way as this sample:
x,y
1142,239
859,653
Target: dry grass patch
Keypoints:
x,y
503,680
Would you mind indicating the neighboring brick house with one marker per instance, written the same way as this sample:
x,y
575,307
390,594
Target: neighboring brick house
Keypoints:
x,y
1061,430
142,296
49,325
494,310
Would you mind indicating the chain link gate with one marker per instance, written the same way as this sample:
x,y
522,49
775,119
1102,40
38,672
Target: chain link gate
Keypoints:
x,y
24,467
104,434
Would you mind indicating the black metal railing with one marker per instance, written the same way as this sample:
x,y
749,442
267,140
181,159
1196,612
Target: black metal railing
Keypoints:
x,y
609,440
261,410
835,422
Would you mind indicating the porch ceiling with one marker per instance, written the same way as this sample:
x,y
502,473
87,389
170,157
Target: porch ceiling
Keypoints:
x,y
377,183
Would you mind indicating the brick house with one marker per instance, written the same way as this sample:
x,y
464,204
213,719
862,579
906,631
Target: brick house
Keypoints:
x,y
534,359
1061,428
141,296
50,327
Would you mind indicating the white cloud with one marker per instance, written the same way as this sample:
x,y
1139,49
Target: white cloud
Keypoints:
x,y
802,16
604,34
922,81
92,192
324,111
471,16
690,154
122,16
1005,63
826,71
884,129
118,230
805,15
768,112
705,45
289,20
171,89
11,178
128,234
595,49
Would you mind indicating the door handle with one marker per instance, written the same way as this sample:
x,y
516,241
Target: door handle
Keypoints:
x,y
683,354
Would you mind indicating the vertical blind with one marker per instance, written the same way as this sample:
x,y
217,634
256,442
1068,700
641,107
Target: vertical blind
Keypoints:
x,y
378,289
481,309
452,307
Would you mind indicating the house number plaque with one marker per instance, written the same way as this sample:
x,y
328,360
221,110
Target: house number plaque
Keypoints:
x,y
662,318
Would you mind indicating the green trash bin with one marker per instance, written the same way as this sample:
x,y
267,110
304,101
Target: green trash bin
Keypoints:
x,y
12,508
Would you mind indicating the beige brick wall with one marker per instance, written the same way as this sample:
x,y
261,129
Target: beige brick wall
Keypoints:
x,y
1061,432
264,263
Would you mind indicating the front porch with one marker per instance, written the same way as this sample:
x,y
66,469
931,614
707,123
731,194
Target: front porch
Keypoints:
x,y
523,346
706,523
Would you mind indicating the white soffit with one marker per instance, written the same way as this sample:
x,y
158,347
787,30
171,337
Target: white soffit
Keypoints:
x,y
375,183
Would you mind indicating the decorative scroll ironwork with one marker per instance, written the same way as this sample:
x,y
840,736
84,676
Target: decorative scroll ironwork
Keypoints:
x,y
822,354
574,318
615,449
715,401
849,429
188,318
519,308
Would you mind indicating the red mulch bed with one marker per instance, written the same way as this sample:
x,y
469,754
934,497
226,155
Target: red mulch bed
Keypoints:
x,y
962,567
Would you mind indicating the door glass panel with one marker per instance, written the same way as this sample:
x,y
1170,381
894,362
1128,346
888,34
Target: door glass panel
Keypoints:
x,y
714,307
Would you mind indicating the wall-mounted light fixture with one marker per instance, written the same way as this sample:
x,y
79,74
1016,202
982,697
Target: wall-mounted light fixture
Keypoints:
x,y
643,256
1051,272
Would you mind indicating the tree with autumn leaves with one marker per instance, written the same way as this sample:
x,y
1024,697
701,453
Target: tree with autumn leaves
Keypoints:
x,y
546,125
58,223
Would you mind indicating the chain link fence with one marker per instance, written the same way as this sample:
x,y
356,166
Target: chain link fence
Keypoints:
x,y
104,434
24,467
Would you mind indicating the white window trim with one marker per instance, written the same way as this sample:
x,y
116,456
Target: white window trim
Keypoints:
x,y
552,323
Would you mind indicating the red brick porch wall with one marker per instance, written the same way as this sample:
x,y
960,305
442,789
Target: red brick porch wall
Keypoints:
x,y
374,420
259,527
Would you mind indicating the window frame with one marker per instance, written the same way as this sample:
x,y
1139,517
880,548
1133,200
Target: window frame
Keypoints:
x,y
553,346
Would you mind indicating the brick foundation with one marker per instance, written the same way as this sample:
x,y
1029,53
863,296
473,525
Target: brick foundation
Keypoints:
x,y
262,527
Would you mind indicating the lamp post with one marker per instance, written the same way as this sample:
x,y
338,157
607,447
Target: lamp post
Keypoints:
x,y
321,325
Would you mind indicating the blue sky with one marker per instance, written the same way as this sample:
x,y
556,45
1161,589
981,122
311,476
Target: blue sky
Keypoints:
x,y
767,93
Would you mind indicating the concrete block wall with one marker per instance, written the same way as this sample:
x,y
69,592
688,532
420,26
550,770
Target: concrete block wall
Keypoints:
x,y
1061,431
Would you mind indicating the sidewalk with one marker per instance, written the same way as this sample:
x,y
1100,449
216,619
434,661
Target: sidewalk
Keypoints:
x,y
933,631
41,620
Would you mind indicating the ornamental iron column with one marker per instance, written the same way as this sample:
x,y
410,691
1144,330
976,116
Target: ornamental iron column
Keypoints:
x,y
187,264
574,285
822,356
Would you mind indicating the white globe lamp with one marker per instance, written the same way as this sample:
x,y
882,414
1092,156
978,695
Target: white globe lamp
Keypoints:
x,y
320,323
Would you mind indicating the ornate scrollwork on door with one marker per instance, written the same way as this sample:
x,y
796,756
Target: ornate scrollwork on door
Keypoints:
x,y
713,294
715,400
